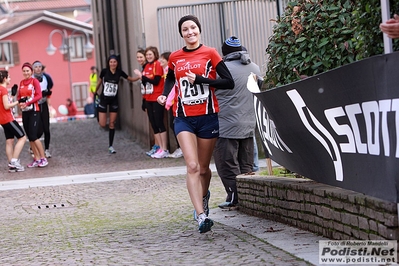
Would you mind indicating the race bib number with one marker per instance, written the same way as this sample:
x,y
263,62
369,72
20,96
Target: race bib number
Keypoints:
x,y
148,88
193,93
110,89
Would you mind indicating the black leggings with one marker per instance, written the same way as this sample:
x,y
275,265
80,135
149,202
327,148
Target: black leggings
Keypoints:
x,y
155,113
31,122
45,128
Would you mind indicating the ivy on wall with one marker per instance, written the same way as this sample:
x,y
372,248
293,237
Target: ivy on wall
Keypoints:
x,y
313,36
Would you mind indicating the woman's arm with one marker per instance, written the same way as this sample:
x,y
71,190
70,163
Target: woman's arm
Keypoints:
x,y
132,79
100,80
37,94
169,83
7,105
225,81
154,81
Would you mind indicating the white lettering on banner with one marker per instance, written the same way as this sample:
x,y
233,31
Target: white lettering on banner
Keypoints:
x,y
375,114
267,129
334,153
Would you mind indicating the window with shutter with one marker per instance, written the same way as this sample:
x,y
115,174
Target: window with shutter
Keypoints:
x,y
9,54
80,94
76,49
15,53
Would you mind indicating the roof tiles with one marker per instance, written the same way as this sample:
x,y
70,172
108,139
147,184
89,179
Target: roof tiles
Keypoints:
x,y
46,5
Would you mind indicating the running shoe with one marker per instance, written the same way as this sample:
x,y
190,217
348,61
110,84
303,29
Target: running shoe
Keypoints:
x,y
153,150
34,163
176,154
205,204
15,167
43,162
111,150
160,154
227,205
204,223
47,154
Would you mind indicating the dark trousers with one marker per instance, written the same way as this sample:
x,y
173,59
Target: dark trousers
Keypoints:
x,y
45,117
233,157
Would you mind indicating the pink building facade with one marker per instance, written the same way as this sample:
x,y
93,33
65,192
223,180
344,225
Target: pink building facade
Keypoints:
x,y
26,37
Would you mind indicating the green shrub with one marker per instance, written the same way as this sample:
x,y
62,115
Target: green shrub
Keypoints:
x,y
313,36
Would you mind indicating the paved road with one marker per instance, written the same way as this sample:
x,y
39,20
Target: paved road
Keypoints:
x,y
125,218
81,147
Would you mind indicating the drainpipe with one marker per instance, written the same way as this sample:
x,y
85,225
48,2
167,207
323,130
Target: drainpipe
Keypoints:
x,y
110,27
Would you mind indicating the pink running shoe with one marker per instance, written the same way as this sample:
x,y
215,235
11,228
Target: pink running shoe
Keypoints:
x,y
43,162
160,154
35,163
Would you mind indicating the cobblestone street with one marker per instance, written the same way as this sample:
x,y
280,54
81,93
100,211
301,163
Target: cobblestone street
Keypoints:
x,y
141,221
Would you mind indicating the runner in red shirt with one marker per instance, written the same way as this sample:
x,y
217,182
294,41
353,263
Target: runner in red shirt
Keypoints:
x,y
29,95
10,125
193,69
152,85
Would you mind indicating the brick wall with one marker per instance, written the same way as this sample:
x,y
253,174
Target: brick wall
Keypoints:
x,y
326,210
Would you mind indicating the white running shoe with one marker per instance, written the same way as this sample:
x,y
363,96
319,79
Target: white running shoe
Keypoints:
x,y
47,154
15,167
160,154
176,154
43,162
153,150
111,150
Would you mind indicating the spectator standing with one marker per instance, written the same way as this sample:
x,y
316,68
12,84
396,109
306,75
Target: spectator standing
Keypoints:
x,y
234,150
93,84
46,84
10,126
140,57
89,108
29,94
152,86
192,74
72,110
93,80
109,79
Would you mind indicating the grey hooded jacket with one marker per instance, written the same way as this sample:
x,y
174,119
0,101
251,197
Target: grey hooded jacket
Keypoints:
x,y
237,115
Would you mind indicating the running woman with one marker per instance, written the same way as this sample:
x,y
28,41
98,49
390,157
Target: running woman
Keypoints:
x,y
29,95
109,78
193,68
46,84
10,125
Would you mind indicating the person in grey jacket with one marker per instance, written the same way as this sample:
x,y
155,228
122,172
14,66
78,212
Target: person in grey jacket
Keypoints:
x,y
234,150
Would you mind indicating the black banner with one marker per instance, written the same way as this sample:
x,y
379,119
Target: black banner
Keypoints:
x,y
339,128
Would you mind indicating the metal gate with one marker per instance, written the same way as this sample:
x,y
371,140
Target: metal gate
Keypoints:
x,y
249,20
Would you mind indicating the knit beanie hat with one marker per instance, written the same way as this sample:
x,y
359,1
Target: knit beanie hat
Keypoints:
x,y
189,17
231,45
